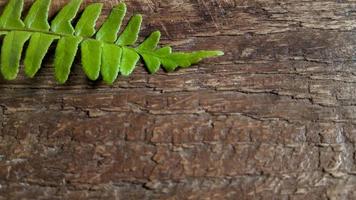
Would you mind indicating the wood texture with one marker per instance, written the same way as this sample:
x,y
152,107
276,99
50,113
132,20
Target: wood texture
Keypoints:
x,y
275,118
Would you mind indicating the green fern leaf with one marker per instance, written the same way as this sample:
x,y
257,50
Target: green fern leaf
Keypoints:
x,y
65,53
130,35
86,25
91,58
107,54
111,62
110,28
150,44
36,51
128,61
62,23
37,16
11,53
11,17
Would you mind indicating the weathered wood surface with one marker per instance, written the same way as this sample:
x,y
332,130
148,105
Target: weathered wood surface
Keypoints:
x,y
273,119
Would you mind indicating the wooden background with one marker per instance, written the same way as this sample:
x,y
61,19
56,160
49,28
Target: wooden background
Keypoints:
x,y
274,118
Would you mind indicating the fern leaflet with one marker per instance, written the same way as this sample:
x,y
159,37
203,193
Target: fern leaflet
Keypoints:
x,y
103,52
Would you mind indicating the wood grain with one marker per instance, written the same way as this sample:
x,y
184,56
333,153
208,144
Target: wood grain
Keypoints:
x,y
275,118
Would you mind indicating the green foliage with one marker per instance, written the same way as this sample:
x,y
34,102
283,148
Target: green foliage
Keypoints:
x,y
103,52
37,16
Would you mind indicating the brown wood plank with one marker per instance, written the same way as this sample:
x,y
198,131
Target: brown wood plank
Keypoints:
x,y
272,119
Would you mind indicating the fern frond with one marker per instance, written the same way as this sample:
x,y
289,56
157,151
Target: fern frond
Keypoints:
x,y
103,52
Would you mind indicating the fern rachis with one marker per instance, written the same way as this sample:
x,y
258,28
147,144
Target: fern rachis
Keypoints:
x,y
103,52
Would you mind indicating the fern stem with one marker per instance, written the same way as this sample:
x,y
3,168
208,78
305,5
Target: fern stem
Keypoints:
x,y
140,52
59,35
35,31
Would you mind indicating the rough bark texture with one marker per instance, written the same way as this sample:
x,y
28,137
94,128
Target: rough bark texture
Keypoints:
x,y
275,118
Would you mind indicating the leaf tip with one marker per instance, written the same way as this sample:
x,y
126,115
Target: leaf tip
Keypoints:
x,y
98,6
9,77
61,81
138,17
121,6
157,34
29,73
219,53
109,82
